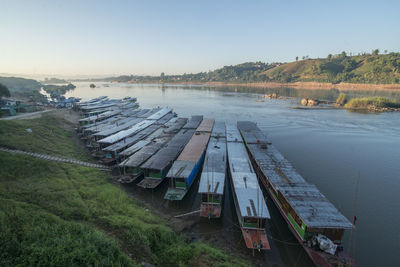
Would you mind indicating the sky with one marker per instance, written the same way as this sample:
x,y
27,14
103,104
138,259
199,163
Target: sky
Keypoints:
x,y
68,38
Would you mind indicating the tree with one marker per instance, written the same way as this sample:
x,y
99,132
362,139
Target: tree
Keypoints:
x,y
4,91
375,52
343,54
385,51
297,58
330,57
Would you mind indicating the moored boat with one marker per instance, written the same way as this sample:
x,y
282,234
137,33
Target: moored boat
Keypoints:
x,y
185,168
156,168
314,221
131,166
212,180
251,209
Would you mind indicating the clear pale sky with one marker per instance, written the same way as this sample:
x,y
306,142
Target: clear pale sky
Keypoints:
x,y
149,37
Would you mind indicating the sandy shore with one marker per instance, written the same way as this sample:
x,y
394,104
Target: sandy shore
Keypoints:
x,y
310,85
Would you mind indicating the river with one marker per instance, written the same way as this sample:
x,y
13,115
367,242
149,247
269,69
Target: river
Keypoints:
x,y
330,148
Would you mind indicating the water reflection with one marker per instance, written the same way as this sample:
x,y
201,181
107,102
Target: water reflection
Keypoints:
x,y
328,147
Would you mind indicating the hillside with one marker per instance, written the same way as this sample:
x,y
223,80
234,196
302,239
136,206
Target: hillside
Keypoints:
x,y
57,214
384,69
361,69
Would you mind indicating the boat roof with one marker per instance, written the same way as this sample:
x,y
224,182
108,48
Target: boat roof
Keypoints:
x,y
308,202
194,122
142,155
166,118
212,182
126,133
313,207
232,133
160,139
248,193
120,127
181,169
219,129
160,113
195,148
252,132
101,116
131,140
206,125
214,168
170,152
134,148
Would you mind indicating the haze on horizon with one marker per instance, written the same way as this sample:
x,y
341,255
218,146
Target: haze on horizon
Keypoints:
x,y
137,37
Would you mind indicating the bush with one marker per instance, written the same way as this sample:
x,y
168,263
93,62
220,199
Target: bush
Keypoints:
x,y
342,99
375,102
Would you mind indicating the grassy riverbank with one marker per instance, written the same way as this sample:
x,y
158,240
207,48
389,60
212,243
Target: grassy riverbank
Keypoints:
x,y
376,103
62,215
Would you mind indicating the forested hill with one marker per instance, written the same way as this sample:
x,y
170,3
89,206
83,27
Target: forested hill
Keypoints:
x,y
366,68
20,85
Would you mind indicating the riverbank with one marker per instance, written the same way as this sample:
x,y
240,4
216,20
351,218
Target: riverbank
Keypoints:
x,y
60,214
308,85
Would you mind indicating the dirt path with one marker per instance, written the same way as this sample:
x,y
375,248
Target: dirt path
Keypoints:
x,y
56,159
31,115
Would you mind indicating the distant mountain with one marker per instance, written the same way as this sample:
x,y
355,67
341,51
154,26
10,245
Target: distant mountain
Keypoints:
x,y
366,68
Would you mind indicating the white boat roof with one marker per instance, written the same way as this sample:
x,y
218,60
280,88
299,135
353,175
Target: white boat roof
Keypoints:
x,y
212,182
247,190
214,168
132,121
159,114
128,132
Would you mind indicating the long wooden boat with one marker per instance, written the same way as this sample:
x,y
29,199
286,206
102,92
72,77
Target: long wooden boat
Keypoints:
x,y
251,209
312,218
185,168
131,166
212,180
156,168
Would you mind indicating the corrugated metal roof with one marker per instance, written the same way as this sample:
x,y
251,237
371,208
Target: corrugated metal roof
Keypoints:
x,y
148,113
206,125
159,114
134,148
307,201
131,122
195,148
246,189
194,122
126,133
87,108
232,133
131,140
212,182
313,207
219,129
214,167
252,132
170,152
166,118
181,169
142,155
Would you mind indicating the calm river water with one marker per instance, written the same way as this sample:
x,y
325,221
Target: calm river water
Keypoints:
x,y
330,148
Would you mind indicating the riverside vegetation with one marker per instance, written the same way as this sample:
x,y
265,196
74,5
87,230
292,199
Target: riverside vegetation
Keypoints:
x,y
55,214
373,68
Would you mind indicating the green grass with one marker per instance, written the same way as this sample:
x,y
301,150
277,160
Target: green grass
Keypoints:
x,y
49,135
342,99
376,102
56,214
